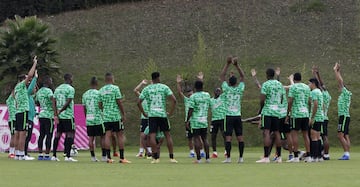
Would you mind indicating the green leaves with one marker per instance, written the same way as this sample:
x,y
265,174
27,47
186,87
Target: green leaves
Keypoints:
x,y
20,40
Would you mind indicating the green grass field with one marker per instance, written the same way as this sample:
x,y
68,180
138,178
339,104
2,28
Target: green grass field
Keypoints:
x,y
185,173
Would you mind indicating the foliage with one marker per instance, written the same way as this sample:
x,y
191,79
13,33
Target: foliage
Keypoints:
x,y
20,41
149,68
308,6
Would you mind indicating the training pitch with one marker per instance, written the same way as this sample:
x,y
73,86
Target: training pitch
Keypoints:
x,y
141,173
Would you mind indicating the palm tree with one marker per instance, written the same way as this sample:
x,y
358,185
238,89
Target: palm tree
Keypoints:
x,y
20,40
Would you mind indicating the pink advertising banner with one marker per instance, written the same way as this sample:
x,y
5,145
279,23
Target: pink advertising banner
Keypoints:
x,y
81,139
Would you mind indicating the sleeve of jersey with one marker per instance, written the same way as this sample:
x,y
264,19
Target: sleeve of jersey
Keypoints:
x,y
242,86
32,86
224,86
71,93
291,92
168,91
142,94
191,102
118,94
263,89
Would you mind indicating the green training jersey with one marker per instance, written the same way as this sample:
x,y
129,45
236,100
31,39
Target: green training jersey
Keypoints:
x,y
155,96
109,94
43,96
217,108
21,97
273,91
344,102
187,105
233,96
62,94
283,106
10,102
199,102
146,109
91,99
300,94
316,95
32,109
327,100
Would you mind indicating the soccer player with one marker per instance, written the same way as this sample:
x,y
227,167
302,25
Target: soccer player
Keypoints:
x,y
344,101
185,96
22,110
155,95
10,102
316,119
94,122
144,123
64,97
233,94
199,103
298,110
217,105
46,100
271,97
327,99
114,115
32,112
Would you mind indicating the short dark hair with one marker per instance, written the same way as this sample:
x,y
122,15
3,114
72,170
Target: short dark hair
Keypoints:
x,y
199,85
21,77
108,74
93,81
232,80
315,81
270,72
155,75
67,76
297,76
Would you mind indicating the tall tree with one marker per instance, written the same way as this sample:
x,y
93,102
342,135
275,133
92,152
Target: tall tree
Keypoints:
x,y
20,40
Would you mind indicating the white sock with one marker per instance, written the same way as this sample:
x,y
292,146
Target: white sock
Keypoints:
x,y
192,151
141,150
17,152
12,150
202,150
149,149
347,153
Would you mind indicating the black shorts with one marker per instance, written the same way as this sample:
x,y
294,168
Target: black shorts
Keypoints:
x,y
343,125
270,123
189,133
216,125
284,127
11,127
316,126
95,130
21,121
144,124
299,124
324,128
200,132
233,123
66,125
46,126
114,126
156,123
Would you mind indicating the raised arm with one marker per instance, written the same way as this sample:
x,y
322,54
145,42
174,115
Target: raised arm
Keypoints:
x,y
200,76
32,70
178,86
32,84
338,75
277,73
226,67
316,73
253,74
138,87
240,71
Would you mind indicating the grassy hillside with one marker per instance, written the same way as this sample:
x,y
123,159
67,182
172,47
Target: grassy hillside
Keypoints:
x,y
291,34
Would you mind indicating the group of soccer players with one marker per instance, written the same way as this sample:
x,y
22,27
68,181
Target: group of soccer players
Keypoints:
x,y
284,111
